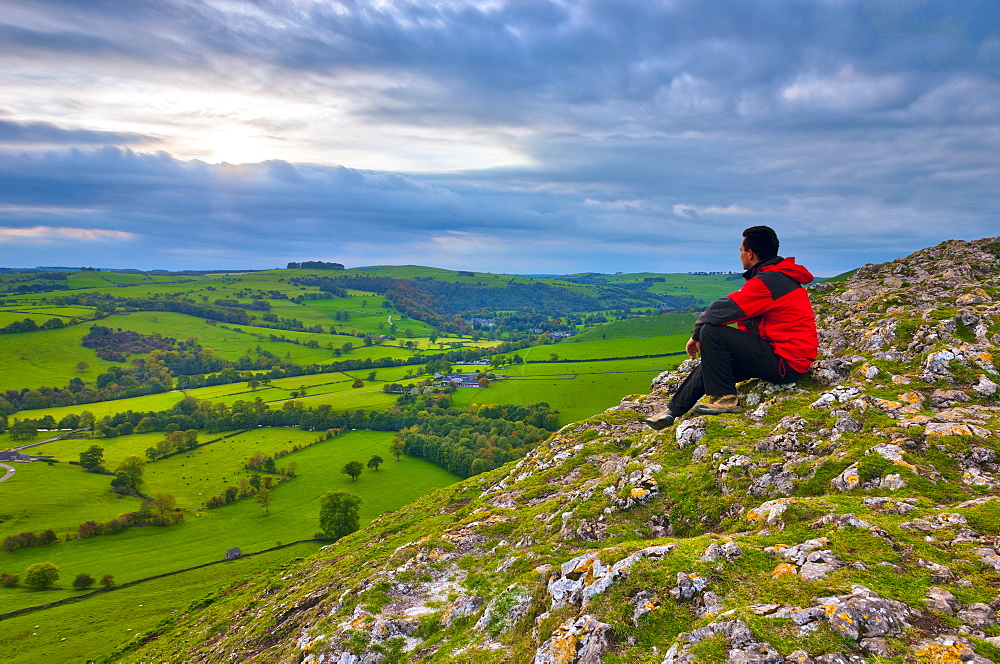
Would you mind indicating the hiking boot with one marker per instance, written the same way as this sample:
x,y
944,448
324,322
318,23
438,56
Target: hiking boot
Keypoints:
x,y
717,405
660,420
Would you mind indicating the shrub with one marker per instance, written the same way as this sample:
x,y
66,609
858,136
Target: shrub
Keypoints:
x,y
83,581
41,575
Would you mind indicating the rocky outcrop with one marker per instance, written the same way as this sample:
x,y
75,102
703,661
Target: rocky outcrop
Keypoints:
x,y
851,517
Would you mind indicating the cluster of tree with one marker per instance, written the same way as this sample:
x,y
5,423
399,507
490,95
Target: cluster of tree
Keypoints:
x,y
315,265
116,345
45,575
469,443
175,441
128,479
256,305
256,485
303,297
22,289
355,468
266,463
23,540
28,325
106,304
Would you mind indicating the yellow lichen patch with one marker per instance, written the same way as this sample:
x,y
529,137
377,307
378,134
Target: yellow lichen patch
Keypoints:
x,y
939,654
563,648
911,398
360,622
885,404
784,569
844,616
901,380
638,493
828,608
948,430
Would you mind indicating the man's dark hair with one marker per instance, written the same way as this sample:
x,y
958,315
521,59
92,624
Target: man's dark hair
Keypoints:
x,y
762,240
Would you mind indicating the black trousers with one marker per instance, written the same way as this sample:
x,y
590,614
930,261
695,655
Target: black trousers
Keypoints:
x,y
728,356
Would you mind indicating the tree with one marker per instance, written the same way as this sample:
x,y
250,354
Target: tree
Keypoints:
x,y
82,366
83,581
92,457
10,580
23,430
397,448
358,382
128,475
353,468
107,581
264,498
484,382
338,513
41,575
375,462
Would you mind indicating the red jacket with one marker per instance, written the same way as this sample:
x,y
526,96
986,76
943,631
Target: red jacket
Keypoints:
x,y
773,305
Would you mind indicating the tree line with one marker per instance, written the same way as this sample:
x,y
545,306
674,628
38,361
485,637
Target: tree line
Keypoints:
x,y
485,437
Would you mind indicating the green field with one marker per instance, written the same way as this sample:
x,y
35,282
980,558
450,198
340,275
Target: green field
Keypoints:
x,y
607,348
644,326
206,534
88,629
576,389
47,357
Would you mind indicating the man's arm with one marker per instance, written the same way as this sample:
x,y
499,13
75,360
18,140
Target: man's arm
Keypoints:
x,y
751,300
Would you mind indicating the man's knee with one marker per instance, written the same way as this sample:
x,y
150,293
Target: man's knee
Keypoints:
x,y
712,331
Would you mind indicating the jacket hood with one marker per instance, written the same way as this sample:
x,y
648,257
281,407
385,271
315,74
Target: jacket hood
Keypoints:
x,y
786,266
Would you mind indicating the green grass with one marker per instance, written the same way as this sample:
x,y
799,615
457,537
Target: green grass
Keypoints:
x,y
57,496
644,326
576,389
607,348
47,357
88,629
142,552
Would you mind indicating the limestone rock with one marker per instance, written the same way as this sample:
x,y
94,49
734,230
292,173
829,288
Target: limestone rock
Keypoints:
x,y
688,585
989,557
727,550
865,613
582,640
847,480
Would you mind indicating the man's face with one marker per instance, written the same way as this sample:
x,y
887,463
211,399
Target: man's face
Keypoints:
x,y
748,258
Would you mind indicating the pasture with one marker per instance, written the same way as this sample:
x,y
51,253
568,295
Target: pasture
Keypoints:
x,y
607,348
644,326
206,535
85,630
576,389
47,357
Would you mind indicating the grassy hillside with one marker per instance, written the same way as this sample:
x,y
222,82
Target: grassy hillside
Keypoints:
x,y
851,517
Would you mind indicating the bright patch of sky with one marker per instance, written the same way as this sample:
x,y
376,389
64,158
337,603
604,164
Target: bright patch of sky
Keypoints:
x,y
533,136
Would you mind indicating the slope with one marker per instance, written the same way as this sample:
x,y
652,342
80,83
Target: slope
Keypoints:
x,y
850,518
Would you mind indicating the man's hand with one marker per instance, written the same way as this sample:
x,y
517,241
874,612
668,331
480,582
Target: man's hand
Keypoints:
x,y
693,348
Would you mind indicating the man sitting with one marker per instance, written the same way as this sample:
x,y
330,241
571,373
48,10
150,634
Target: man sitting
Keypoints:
x,y
776,337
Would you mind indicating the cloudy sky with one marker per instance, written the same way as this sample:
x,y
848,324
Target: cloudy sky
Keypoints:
x,y
531,136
